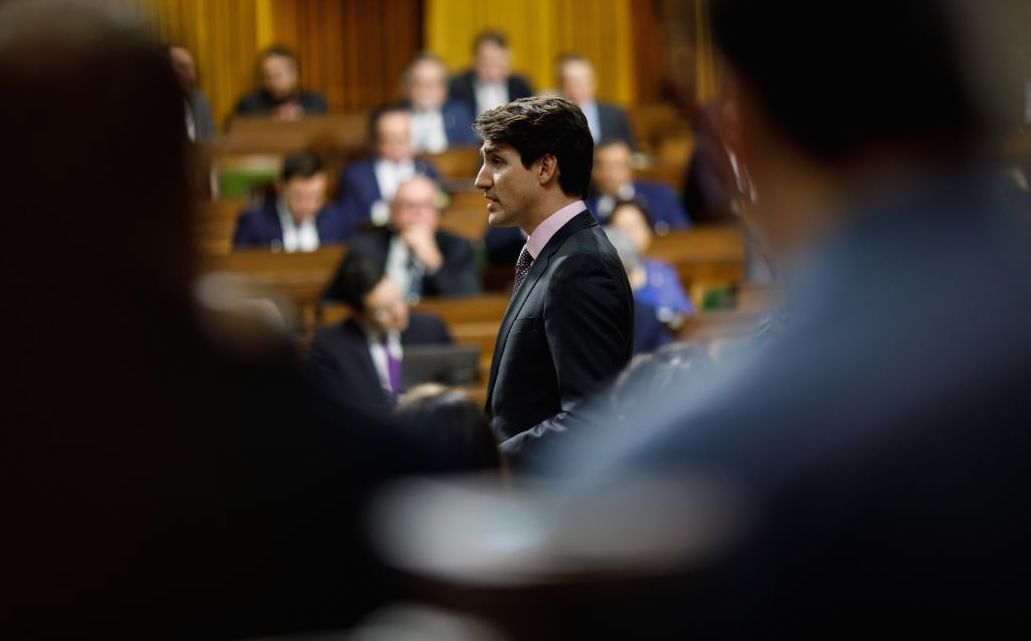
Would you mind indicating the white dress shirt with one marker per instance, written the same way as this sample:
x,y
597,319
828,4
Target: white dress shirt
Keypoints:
x,y
303,237
428,132
593,117
389,175
490,96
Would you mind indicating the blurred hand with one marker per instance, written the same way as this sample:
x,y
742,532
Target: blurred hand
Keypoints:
x,y
288,111
420,240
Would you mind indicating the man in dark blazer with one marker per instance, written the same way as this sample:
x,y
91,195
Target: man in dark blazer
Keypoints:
x,y
298,219
576,80
420,258
569,326
612,180
199,123
437,121
361,358
490,83
366,187
279,96
717,183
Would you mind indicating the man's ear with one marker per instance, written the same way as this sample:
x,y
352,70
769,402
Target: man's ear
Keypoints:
x,y
548,169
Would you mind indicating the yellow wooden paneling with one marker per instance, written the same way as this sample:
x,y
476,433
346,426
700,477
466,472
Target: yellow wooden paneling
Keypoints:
x,y
538,32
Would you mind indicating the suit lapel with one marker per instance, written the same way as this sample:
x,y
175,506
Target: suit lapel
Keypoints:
x,y
537,270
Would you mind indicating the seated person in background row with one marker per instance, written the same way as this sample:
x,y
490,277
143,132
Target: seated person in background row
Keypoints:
x,y
577,82
361,358
654,282
437,122
199,124
612,180
490,83
418,257
649,331
447,416
298,219
365,187
279,96
717,184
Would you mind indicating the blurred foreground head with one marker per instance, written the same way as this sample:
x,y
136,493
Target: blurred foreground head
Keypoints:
x,y
838,96
96,172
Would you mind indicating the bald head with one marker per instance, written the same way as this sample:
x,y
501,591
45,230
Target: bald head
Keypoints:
x,y
416,203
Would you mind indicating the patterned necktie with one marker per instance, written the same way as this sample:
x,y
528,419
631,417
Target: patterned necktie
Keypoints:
x,y
522,268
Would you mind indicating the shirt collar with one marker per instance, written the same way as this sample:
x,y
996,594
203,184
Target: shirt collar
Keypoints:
x,y
544,232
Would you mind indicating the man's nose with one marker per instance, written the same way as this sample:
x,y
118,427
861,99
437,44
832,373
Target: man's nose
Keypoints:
x,y
483,180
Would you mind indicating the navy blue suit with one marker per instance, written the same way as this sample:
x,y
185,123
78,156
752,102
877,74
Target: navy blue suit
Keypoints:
x,y
260,228
358,189
458,123
664,210
649,333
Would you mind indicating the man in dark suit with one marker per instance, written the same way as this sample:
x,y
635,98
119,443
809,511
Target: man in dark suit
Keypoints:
x,y
612,180
718,185
437,122
421,259
299,218
576,80
366,187
569,325
872,453
490,83
361,358
199,123
279,96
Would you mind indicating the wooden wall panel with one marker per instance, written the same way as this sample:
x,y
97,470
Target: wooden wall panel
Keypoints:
x,y
539,31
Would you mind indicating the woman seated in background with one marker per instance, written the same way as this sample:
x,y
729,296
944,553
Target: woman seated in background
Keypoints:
x,y
654,282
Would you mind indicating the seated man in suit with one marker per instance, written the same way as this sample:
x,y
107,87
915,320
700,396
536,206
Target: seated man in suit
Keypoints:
x,y
612,180
717,184
298,219
199,123
279,95
577,82
421,259
490,83
437,122
362,357
365,187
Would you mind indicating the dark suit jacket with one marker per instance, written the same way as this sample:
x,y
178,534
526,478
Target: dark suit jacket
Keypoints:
x,y
566,331
462,87
260,103
710,186
259,228
664,210
200,110
458,122
358,190
457,276
614,125
340,356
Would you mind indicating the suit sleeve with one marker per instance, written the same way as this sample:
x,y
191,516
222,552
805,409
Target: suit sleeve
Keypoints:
x,y
589,325
241,235
458,275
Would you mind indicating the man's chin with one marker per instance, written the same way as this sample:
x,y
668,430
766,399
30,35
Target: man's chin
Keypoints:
x,y
499,219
